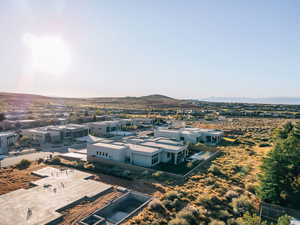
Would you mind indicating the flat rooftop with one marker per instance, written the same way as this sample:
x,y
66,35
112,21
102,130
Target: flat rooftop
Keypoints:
x,y
167,141
163,146
142,148
7,133
55,191
111,146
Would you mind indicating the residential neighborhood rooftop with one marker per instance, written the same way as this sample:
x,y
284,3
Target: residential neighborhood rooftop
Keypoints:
x,y
111,146
142,148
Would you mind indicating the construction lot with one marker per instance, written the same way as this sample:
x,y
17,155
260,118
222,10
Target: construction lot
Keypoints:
x,y
57,195
41,204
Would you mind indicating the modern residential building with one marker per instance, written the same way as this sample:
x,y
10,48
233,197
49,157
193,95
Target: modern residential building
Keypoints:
x,y
140,152
191,135
142,121
125,123
104,128
7,139
52,134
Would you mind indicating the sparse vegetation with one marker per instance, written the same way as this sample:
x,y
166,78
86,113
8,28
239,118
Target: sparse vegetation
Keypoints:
x,y
23,164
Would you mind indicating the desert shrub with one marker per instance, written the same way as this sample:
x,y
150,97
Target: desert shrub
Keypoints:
x,y
251,188
231,194
157,174
209,180
23,164
177,204
171,195
222,214
90,166
79,164
168,204
145,173
189,165
204,200
264,145
284,220
242,170
178,221
215,170
232,221
249,219
241,205
126,173
157,206
55,160
40,160
216,222
189,214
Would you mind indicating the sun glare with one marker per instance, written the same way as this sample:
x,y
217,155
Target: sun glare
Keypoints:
x,y
49,54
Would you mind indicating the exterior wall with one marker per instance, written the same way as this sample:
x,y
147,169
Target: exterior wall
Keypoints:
x,y
107,153
34,135
141,160
191,138
129,166
167,134
6,141
165,157
98,130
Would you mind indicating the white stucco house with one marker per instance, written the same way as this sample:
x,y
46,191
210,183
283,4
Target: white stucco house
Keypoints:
x,y
7,139
146,153
104,128
191,135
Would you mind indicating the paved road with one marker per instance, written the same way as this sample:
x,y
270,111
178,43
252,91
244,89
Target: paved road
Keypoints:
x,y
13,160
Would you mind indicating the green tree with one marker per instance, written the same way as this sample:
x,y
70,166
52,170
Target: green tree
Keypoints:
x,y
284,132
296,131
280,178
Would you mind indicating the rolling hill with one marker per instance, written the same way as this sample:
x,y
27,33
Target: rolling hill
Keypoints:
x,y
155,100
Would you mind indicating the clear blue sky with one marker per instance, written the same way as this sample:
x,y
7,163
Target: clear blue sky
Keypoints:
x,y
184,49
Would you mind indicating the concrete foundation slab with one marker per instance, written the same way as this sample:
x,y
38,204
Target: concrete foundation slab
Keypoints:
x,y
42,203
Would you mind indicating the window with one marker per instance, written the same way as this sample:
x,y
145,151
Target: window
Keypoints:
x,y
168,155
154,159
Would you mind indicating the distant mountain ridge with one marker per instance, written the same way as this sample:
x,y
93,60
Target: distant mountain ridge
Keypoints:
x,y
154,100
271,100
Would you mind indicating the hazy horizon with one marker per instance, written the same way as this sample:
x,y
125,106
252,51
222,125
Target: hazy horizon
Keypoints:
x,y
191,50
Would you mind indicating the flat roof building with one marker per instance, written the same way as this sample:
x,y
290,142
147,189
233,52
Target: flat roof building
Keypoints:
x,y
191,135
7,139
140,152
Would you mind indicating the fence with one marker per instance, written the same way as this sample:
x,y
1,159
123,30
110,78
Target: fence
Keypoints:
x,y
131,167
142,169
273,212
213,156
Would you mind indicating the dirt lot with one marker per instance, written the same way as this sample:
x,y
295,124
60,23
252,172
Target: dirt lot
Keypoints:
x,y
12,179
